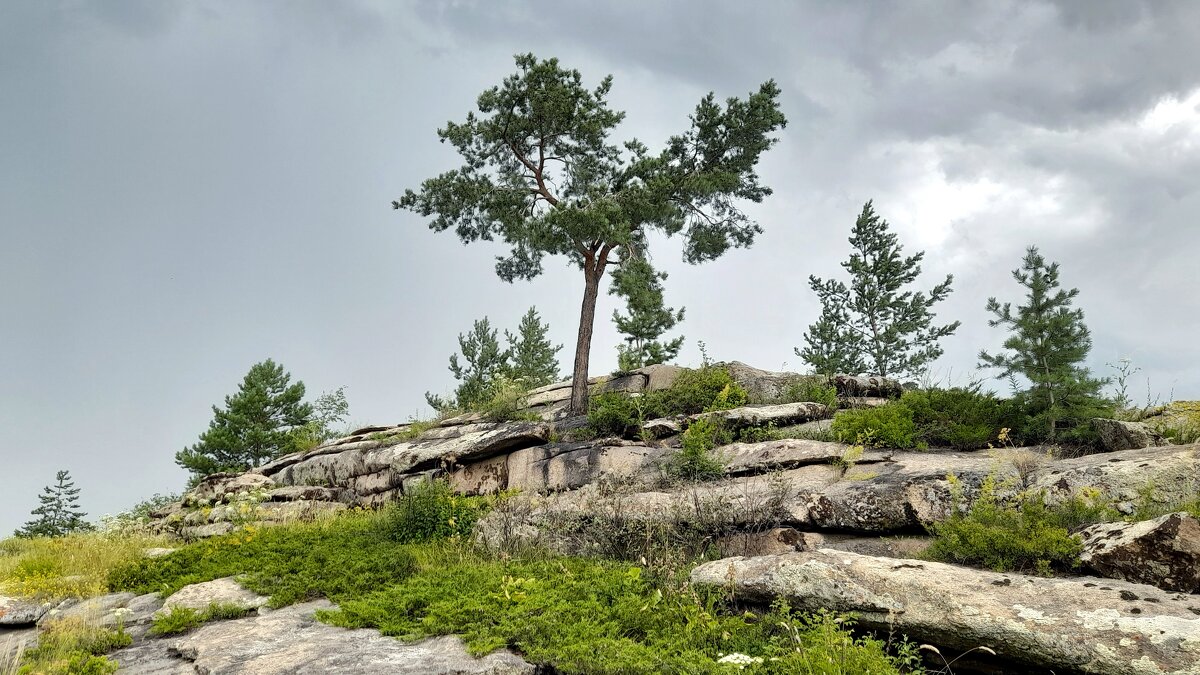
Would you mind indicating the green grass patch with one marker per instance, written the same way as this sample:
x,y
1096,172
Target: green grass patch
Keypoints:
x,y
73,648
694,391
182,619
76,565
887,426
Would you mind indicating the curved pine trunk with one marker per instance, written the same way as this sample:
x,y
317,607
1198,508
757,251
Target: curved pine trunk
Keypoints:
x,y
583,345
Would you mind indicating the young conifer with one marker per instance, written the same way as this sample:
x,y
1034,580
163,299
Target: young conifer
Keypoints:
x,y
1047,345
532,358
59,513
874,325
647,318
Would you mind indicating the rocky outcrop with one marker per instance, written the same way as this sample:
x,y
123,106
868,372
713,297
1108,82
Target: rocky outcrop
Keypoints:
x,y
225,592
1122,476
1114,628
1122,435
290,641
1164,552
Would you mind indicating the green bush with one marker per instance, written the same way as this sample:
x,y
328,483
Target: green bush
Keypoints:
x,y
814,390
431,511
963,419
694,391
695,460
888,426
73,647
183,619
1022,534
506,402
698,390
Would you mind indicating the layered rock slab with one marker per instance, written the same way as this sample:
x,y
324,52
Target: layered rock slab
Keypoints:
x,y
1110,628
291,641
1163,552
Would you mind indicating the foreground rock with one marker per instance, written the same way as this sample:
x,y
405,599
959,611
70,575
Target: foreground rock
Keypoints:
x,y
1120,435
1163,552
291,641
19,612
1115,628
225,592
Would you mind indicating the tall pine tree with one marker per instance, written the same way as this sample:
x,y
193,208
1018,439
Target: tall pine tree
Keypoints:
x,y
59,513
1047,345
647,316
260,422
532,359
874,325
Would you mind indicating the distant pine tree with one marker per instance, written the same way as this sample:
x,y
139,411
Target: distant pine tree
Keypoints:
x,y
485,361
260,422
532,359
1047,346
874,325
59,513
647,316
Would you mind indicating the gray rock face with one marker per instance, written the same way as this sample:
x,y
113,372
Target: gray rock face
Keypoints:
x,y
290,641
1121,476
858,386
1116,628
223,487
744,458
559,466
1164,552
1120,435
224,591
13,642
20,612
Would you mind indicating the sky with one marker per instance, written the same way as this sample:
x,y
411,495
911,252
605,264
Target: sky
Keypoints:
x,y
187,188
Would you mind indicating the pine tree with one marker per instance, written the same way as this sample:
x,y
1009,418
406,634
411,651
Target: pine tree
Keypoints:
x,y
884,330
1047,346
542,171
258,423
59,513
532,360
485,361
647,319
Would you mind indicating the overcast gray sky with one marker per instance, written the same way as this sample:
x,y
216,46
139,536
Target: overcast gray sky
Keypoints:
x,y
187,188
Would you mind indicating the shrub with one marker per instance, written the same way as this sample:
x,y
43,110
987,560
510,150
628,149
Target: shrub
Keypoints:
x,y
699,390
614,413
963,419
889,426
695,460
183,619
507,401
1022,533
814,390
431,511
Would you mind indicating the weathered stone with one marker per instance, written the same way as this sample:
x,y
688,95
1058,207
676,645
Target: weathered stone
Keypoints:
x,y
224,486
123,609
762,386
769,542
290,641
788,453
291,493
558,466
1124,475
1163,552
1068,624
660,376
13,642
781,414
21,612
859,386
887,547
662,427
223,591
1121,435
205,531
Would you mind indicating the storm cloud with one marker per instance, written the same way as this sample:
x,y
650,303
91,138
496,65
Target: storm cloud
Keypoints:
x,y
187,188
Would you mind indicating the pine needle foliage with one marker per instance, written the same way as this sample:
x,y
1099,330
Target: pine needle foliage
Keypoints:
x,y
646,318
874,325
58,513
1047,345
542,172
532,358
263,420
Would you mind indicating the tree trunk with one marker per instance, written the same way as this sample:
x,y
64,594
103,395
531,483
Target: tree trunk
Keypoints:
x,y
583,345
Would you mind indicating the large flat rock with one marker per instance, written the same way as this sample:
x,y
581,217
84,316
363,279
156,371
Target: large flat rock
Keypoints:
x,y
290,641
1075,625
1163,552
224,591
21,611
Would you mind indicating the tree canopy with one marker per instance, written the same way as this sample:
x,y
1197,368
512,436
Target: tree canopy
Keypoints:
x,y
261,421
541,173
1047,345
58,513
532,358
875,325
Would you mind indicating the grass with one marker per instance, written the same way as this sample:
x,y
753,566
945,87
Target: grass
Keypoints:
x,y
411,571
71,647
74,566
183,619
